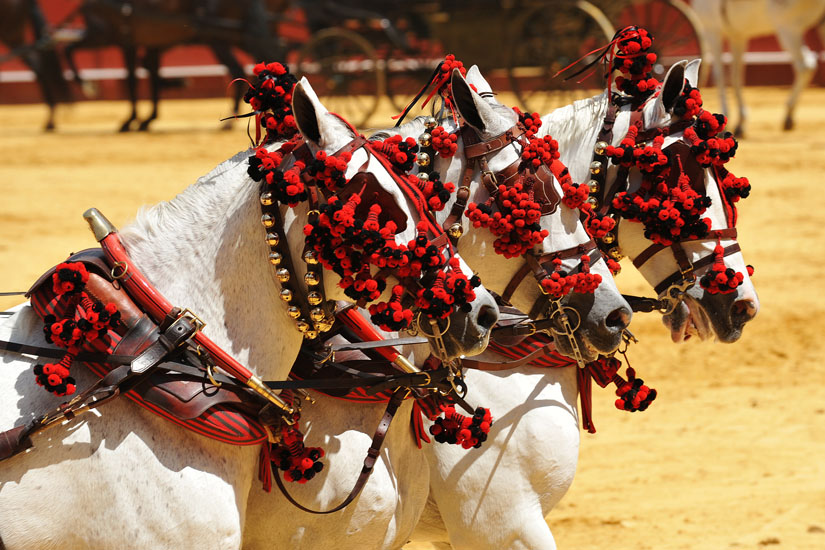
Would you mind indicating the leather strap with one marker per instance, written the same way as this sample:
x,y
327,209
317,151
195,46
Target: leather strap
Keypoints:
x,y
495,366
369,462
699,265
473,148
650,251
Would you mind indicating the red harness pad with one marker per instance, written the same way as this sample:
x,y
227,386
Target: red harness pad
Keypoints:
x,y
165,395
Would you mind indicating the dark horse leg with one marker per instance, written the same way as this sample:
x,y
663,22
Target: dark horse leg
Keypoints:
x,y
152,64
130,60
225,56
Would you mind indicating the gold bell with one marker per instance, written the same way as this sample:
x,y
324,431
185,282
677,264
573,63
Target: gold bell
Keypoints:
x,y
282,274
422,159
430,122
311,278
323,326
615,253
272,239
311,334
302,326
425,139
275,258
293,312
608,238
423,176
314,298
593,202
317,314
286,295
455,231
594,186
600,148
310,257
267,220
266,198
595,167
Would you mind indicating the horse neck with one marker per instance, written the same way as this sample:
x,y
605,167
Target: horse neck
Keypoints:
x,y
205,250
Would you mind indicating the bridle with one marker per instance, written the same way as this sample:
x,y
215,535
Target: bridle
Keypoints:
x,y
559,319
672,289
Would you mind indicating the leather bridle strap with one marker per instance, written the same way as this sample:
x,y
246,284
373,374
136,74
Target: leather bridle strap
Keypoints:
x,y
700,264
494,366
650,251
369,462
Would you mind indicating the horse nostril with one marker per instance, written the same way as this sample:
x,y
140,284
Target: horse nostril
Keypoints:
x,y
743,310
619,318
487,317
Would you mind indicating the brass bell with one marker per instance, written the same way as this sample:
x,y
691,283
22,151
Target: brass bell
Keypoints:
x,y
267,220
423,176
282,274
455,231
430,122
266,198
313,213
317,314
594,186
311,278
286,295
595,167
608,238
422,159
593,202
425,139
310,257
302,326
272,239
314,298
293,312
615,253
275,258
323,326
311,334
600,148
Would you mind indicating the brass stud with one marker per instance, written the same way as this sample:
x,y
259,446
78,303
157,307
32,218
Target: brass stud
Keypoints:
x,y
302,325
423,176
286,295
267,220
311,278
430,122
455,231
425,139
282,274
314,298
422,159
594,186
293,312
615,253
593,202
310,257
595,167
311,334
275,258
272,239
608,238
317,314
323,326
600,148
266,198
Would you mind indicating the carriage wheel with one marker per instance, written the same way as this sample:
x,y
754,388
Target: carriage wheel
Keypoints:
x,y
675,27
344,71
548,40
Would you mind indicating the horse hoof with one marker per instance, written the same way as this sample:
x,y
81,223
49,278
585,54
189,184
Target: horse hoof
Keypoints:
x,y
788,124
144,126
49,127
739,132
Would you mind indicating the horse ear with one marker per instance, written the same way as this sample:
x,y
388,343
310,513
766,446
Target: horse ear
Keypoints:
x,y
472,108
307,108
474,78
673,86
692,72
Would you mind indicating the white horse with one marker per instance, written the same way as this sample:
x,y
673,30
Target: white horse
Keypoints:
x,y
740,20
498,496
122,477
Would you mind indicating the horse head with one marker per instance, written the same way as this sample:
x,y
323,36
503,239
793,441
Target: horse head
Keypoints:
x,y
450,308
694,262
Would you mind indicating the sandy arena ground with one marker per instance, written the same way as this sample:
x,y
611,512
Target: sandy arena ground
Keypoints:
x,y
732,453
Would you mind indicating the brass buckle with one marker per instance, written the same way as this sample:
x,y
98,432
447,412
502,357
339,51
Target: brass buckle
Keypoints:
x,y
197,321
491,175
122,265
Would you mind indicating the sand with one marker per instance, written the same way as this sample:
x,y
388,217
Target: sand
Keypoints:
x,y
731,454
